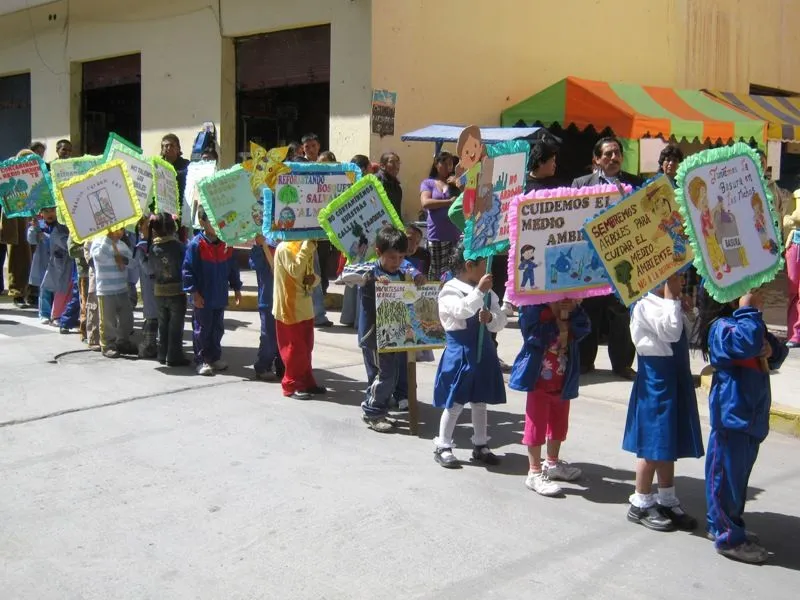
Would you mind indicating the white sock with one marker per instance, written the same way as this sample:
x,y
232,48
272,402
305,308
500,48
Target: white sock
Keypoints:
x,y
642,500
447,425
480,424
667,497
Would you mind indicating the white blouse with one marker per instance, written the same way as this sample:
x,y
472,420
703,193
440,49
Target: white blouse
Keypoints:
x,y
458,301
656,323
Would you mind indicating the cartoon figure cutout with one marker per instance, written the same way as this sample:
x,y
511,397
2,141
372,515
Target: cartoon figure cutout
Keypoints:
x,y
265,166
670,222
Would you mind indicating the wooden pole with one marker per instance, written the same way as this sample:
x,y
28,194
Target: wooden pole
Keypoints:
x,y
487,301
413,409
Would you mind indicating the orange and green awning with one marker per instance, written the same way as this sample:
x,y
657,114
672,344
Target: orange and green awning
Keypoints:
x,y
636,111
781,114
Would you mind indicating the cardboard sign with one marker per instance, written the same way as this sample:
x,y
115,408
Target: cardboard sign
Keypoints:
x,y
64,169
117,143
292,210
730,219
141,172
550,258
100,201
195,173
165,187
25,186
264,167
228,201
353,219
500,178
407,317
641,240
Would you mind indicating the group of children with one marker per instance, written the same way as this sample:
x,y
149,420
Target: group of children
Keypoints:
x,y
662,423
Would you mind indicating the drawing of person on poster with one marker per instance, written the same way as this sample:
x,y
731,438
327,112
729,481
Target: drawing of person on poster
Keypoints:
x,y
761,224
669,219
528,267
471,154
698,194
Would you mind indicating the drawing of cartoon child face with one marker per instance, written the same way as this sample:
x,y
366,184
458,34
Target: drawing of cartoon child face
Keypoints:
x,y
470,147
527,253
662,208
698,194
257,214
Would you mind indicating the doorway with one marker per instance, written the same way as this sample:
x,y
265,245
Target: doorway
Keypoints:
x,y
111,101
15,114
282,87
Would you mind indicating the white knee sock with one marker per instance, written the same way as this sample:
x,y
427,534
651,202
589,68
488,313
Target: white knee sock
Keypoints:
x,y
480,418
447,425
667,497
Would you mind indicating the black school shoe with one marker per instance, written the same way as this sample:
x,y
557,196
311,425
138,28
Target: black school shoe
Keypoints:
x,y
650,517
679,517
446,458
20,303
483,455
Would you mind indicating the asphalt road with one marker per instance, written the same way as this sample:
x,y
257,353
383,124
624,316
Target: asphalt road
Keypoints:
x,y
122,480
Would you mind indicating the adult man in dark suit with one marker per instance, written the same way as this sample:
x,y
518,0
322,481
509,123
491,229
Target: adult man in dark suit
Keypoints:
x,y
607,313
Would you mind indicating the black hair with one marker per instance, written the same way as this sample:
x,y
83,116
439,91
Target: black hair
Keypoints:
x,y
361,161
710,311
309,137
541,152
37,146
201,215
437,160
415,228
598,147
669,151
525,248
458,262
62,142
327,156
391,238
162,224
210,150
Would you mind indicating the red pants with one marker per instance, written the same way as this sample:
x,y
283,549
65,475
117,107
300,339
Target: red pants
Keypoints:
x,y
793,274
295,344
546,418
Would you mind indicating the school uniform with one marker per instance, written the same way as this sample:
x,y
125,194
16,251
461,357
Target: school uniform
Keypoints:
x,y
293,310
662,423
58,275
38,237
739,403
262,261
550,374
209,269
145,273
461,378
116,312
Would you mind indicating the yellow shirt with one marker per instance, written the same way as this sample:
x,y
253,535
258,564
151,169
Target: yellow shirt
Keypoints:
x,y
291,298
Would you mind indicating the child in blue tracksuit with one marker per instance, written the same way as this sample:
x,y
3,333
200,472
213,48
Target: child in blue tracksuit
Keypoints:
x,y
38,234
548,368
742,352
209,268
384,371
268,365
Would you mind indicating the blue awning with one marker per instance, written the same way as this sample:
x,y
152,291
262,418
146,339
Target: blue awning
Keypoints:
x,y
442,134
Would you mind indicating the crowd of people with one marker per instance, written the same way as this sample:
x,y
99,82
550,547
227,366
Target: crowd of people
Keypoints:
x,y
92,287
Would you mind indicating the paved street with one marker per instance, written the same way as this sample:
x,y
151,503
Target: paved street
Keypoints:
x,y
123,480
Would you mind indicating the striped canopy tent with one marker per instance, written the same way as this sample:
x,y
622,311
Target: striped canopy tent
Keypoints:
x,y
634,111
781,114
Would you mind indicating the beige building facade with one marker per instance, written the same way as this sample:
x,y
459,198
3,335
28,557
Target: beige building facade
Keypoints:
x,y
448,61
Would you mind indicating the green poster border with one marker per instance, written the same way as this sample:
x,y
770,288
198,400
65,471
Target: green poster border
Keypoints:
x,y
347,196
710,157
113,137
212,217
157,160
18,160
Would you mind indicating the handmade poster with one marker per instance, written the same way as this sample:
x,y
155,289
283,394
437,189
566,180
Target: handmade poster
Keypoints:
x,y
383,111
292,210
141,172
641,240
165,187
120,144
228,201
264,167
550,258
195,172
500,178
100,201
64,169
407,317
730,220
353,219
25,186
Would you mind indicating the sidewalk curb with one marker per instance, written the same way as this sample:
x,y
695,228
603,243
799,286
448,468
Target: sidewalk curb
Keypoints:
x,y
781,418
249,302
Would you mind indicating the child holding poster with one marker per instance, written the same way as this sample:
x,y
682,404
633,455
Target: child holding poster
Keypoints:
x,y
145,268
548,368
208,269
461,378
111,259
735,340
268,365
293,310
663,424
39,237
